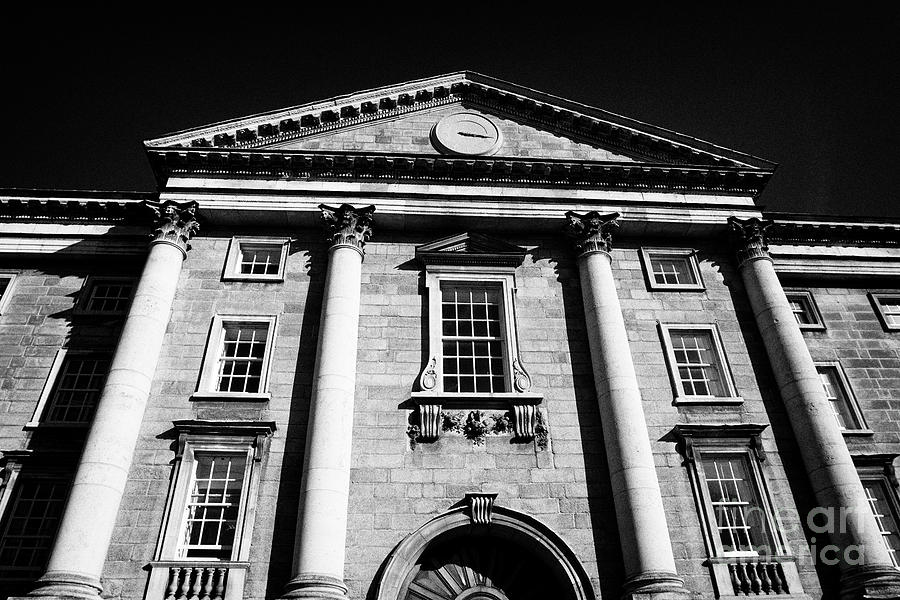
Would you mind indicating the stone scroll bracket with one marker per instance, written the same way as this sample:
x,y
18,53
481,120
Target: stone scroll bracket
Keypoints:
x,y
481,507
430,421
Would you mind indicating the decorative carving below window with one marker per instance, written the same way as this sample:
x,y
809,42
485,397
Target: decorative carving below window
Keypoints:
x,y
481,507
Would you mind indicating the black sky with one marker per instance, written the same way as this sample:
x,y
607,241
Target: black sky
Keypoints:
x,y
817,92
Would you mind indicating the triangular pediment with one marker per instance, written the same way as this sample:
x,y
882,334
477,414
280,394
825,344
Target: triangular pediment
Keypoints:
x,y
470,249
402,119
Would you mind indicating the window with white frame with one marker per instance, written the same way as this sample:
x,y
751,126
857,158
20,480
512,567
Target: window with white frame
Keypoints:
x,y
843,404
73,388
6,282
472,338
697,363
887,306
32,516
213,506
238,356
106,296
671,269
881,493
261,259
806,313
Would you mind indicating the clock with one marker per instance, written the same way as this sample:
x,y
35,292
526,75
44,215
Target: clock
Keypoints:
x,y
466,133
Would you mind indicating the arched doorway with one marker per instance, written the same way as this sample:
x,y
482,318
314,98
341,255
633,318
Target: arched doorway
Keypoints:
x,y
514,557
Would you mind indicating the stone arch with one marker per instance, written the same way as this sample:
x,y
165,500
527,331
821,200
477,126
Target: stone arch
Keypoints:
x,y
454,534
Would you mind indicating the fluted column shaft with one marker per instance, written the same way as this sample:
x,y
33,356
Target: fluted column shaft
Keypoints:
x,y
834,478
81,546
319,550
644,535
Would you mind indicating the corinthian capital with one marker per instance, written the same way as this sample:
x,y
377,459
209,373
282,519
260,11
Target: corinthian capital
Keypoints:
x,y
749,238
176,223
348,226
592,231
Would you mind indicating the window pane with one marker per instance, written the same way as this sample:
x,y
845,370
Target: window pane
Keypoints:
x,y
258,259
472,339
837,397
77,389
34,514
876,492
241,358
740,519
890,308
672,270
110,296
801,309
213,507
698,366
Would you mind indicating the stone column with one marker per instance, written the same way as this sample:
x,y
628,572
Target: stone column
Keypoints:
x,y
79,553
324,495
835,481
644,535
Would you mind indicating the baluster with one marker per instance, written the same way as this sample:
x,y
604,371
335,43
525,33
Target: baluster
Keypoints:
x,y
172,587
781,579
185,582
219,586
765,582
735,580
745,578
754,578
207,583
195,583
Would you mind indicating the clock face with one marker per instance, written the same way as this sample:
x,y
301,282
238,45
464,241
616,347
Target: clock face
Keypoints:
x,y
466,133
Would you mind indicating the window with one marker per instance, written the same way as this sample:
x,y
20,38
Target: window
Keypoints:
x,y
472,338
6,284
805,310
744,538
887,307
696,364
237,357
73,388
211,506
105,296
843,404
29,529
877,477
671,269
256,259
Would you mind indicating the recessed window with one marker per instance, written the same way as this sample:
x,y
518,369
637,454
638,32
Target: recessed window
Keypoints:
x,y
212,510
472,338
697,364
887,306
106,296
671,269
237,357
29,528
882,500
806,313
73,388
6,281
843,405
260,259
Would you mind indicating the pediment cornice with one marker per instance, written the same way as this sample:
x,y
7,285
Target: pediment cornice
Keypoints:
x,y
379,167
558,115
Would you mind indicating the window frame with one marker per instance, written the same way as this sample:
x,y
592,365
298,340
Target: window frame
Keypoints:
x,y
249,439
207,384
689,255
45,401
843,381
10,277
879,469
82,307
875,298
681,398
233,258
807,297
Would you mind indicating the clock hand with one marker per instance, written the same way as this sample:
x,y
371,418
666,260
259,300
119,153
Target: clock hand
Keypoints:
x,y
477,135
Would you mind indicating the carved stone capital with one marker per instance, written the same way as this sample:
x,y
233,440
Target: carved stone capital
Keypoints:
x,y
176,223
749,236
481,507
348,226
592,231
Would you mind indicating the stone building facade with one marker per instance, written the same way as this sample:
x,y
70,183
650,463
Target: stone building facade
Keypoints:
x,y
448,339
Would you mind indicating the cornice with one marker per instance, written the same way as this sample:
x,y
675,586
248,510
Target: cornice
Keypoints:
x,y
74,206
413,167
532,107
832,233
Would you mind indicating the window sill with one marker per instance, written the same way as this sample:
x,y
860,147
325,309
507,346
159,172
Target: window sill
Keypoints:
x,y
478,400
857,432
812,327
264,278
676,287
34,425
232,396
707,400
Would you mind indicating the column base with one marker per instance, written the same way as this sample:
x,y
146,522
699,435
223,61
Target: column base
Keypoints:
x,y
315,587
64,585
864,582
655,585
